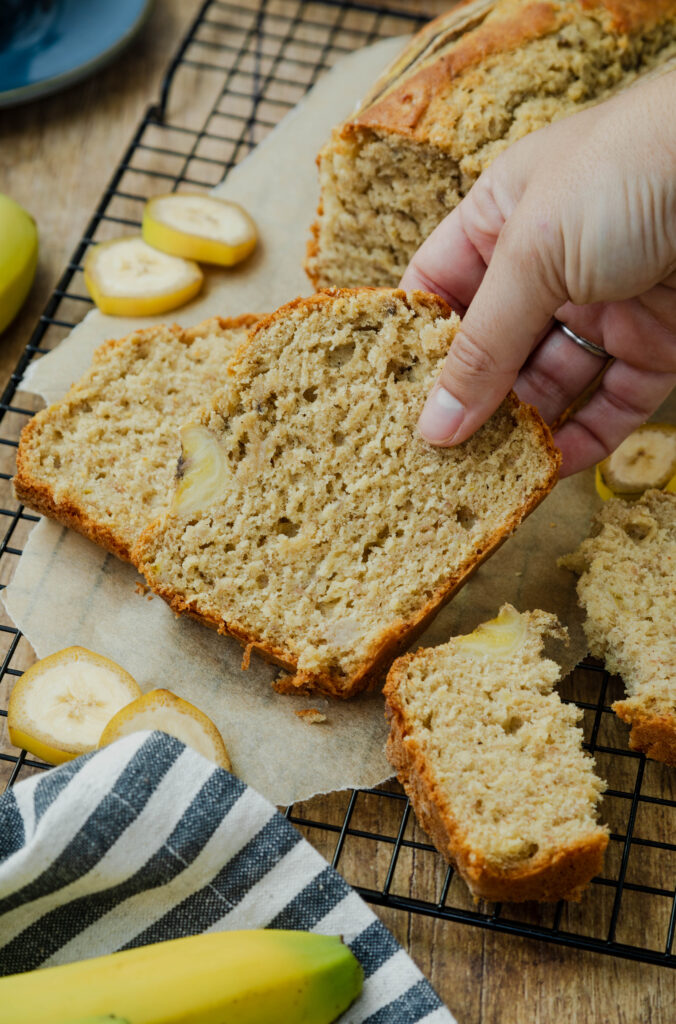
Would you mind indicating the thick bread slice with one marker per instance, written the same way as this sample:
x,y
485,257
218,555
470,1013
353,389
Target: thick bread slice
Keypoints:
x,y
493,763
627,587
102,459
467,85
338,532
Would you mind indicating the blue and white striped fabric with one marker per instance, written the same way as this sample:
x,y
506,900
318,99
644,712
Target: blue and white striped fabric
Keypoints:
x,y
145,841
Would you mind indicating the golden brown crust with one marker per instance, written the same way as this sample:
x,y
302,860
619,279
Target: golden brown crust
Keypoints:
x,y
653,734
555,874
404,106
398,636
40,496
325,297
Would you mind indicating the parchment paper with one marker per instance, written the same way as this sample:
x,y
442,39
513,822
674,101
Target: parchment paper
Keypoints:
x,y
67,591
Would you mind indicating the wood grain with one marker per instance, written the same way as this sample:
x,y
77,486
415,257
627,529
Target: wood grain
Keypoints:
x,y
56,157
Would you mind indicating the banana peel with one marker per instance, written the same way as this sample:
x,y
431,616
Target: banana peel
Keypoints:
x,y
242,977
18,258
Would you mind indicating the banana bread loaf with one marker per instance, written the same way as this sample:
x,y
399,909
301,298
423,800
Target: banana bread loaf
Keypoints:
x,y
470,83
102,459
627,587
310,519
492,761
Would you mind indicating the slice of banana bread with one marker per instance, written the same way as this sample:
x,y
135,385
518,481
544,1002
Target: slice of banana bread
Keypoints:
x,y
102,459
627,587
468,85
310,519
492,761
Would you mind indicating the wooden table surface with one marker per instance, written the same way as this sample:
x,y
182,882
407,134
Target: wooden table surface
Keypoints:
x,y
56,157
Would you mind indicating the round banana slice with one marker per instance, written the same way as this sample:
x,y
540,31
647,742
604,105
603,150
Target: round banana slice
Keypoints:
x,y
199,227
646,459
59,707
496,638
127,277
163,710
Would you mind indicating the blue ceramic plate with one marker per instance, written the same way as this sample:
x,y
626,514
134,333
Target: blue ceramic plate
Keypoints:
x,y
46,45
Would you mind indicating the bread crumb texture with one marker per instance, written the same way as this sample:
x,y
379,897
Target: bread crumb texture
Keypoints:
x,y
492,761
102,459
337,530
468,85
627,587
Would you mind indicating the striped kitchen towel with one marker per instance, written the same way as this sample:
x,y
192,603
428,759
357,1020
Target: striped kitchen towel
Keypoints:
x,y
145,840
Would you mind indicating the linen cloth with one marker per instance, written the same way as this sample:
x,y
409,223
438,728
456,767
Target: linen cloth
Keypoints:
x,y
145,840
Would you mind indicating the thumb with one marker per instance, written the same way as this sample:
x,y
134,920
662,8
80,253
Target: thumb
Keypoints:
x,y
507,317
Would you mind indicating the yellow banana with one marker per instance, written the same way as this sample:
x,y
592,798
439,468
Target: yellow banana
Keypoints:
x,y
243,977
18,258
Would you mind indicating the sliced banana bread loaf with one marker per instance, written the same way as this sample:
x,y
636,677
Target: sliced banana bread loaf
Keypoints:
x,y
102,459
627,587
470,83
310,519
493,763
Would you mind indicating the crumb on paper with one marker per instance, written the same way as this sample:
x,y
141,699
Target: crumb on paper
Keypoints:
x,y
311,715
141,588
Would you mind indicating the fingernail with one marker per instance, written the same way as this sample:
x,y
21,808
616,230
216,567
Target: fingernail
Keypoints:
x,y
441,416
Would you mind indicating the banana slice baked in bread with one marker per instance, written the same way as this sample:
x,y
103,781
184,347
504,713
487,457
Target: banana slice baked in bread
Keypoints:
x,y
627,587
467,85
311,521
102,459
492,761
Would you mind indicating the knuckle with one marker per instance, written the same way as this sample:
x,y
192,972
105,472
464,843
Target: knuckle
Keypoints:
x,y
545,384
470,358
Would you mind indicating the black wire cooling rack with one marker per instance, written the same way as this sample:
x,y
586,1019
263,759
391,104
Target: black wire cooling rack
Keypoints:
x,y
240,68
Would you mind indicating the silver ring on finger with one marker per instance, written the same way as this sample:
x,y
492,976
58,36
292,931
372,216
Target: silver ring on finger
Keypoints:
x,y
588,346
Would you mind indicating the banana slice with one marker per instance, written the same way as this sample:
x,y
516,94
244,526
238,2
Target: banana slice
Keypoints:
x,y
163,710
202,470
497,637
127,277
59,707
646,459
199,227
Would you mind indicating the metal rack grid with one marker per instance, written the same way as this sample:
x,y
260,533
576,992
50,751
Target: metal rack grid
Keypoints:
x,y
245,65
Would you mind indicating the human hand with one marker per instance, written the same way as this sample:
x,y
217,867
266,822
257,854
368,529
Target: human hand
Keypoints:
x,y
576,221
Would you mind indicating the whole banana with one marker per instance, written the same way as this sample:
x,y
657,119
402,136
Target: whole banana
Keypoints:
x,y
18,258
241,977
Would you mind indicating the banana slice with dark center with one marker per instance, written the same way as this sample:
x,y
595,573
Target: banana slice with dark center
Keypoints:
x,y
645,460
